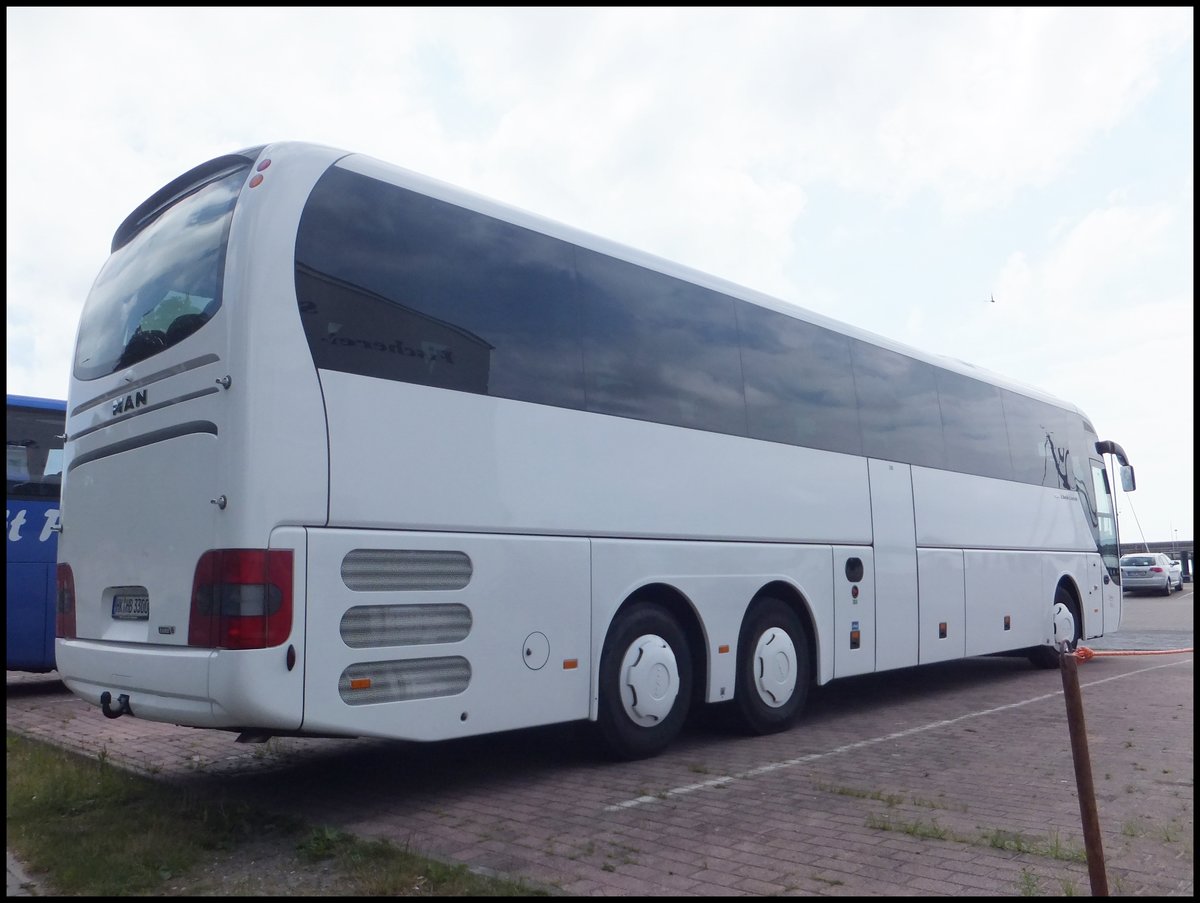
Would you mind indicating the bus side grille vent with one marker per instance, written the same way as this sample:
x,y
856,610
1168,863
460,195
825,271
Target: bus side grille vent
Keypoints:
x,y
383,570
371,626
422,678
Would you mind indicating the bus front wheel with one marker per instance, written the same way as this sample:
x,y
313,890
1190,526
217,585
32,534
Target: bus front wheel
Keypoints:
x,y
645,682
1065,611
773,670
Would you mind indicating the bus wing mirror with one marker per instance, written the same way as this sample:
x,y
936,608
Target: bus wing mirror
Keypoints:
x,y
1127,481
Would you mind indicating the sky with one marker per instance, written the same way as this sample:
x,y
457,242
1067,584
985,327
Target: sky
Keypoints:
x,y
1011,187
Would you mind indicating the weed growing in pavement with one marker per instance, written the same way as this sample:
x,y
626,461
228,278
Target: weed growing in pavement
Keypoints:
x,y
833,882
1052,848
891,800
938,804
916,829
322,843
1058,850
624,855
587,849
1028,884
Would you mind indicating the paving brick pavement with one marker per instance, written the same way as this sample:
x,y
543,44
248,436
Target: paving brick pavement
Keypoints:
x,y
951,780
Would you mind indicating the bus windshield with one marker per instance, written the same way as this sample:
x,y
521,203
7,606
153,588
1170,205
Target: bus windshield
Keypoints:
x,y
34,447
161,286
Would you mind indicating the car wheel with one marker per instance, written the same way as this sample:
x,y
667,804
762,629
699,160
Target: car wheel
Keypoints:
x,y
645,682
1167,590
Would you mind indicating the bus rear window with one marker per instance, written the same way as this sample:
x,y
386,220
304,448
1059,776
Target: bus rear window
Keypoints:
x,y
161,286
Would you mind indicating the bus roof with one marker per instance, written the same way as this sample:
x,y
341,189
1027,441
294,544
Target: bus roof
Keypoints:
x,y
29,401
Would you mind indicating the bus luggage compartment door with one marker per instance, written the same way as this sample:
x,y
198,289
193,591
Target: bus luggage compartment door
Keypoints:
x,y
431,636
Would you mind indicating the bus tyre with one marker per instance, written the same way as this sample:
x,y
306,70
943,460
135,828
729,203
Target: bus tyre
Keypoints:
x,y
645,683
774,670
1048,656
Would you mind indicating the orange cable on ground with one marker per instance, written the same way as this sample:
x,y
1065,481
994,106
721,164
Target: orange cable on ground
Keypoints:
x,y
1084,654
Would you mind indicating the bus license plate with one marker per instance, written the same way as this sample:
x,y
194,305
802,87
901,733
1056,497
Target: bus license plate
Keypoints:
x,y
131,608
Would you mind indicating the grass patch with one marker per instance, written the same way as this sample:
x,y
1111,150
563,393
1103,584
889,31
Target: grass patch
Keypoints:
x,y
1028,885
1051,848
88,828
891,800
931,830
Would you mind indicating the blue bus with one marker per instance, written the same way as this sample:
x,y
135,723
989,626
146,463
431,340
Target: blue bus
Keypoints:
x,y
36,428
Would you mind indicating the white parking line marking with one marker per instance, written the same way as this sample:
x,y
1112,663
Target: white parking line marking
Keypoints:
x,y
849,747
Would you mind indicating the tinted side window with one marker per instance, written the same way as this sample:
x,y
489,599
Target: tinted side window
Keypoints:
x,y
657,348
898,406
1038,437
799,387
973,426
401,286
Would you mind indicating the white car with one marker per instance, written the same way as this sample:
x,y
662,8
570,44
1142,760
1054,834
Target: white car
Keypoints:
x,y
1150,571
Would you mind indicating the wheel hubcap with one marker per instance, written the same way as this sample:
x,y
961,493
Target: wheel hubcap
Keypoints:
x,y
649,680
775,667
1064,625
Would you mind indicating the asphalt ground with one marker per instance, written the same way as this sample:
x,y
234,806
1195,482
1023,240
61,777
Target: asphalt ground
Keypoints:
x,y
953,779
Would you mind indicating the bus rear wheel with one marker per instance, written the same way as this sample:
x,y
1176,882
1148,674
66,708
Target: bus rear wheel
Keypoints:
x,y
1065,612
774,670
645,682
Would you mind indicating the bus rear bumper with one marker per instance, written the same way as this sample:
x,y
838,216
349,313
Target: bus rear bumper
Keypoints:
x,y
172,685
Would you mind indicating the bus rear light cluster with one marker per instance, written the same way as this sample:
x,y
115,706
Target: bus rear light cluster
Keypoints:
x,y
241,599
64,604
257,178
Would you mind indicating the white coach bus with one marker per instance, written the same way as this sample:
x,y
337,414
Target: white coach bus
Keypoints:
x,y
352,452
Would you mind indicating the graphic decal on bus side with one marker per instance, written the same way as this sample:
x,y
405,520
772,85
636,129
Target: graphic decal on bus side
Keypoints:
x,y
15,522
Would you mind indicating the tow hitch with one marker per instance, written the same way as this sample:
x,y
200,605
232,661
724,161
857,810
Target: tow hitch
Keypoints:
x,y
122,707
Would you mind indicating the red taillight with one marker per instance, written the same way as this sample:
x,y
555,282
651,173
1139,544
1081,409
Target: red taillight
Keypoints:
x,y
1157,570
241,599
64,603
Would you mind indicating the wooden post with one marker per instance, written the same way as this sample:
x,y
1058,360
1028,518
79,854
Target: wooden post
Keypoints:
x,y
1093,845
